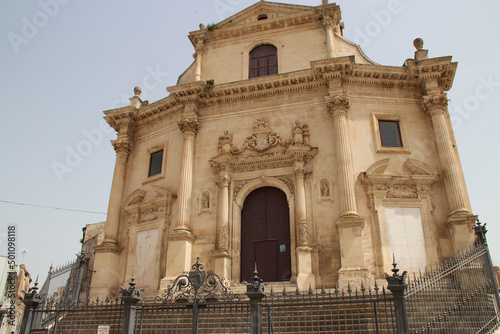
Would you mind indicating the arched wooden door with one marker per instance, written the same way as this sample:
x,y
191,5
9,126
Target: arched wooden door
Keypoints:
x,y
265,235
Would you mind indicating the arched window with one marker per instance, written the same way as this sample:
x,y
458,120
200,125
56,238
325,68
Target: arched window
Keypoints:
x,y
263,61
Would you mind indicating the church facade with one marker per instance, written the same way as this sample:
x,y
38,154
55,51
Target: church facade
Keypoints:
x,y
283,146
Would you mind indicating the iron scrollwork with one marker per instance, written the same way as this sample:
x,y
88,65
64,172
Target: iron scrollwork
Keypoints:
x,y
197,286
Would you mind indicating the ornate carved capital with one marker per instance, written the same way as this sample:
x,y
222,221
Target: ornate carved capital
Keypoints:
x,y
329,14
122,146
338,104
301,172
189,126
223,180
199,44
435,104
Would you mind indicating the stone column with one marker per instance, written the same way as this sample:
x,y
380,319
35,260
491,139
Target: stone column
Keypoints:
x,y
180,243
437,108
222,258
200,47
122,147
330,41
460,221
189,130
349,224
305,277
107,255
338,106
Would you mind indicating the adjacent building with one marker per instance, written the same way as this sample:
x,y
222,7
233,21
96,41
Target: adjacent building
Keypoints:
x,y
284,146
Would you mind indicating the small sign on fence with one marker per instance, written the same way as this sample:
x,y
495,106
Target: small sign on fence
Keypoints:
x,y
103,329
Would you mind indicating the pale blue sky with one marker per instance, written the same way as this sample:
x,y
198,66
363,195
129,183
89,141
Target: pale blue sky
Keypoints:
x,y
62,65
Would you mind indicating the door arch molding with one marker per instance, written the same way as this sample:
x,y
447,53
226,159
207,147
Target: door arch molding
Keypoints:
x,y
236,222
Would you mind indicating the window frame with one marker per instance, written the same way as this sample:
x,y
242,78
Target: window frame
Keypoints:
x,y
267,67
403,137
150,152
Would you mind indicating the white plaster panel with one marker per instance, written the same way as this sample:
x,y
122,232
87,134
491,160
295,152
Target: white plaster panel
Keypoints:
x,y
146,259
406,237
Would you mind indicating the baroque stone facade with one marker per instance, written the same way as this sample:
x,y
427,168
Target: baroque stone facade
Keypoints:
x,y
276,97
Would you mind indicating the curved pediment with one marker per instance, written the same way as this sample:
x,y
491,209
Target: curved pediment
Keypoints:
x,y
135,197
417,167
378,167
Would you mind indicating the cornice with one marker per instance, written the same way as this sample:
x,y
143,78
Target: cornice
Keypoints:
x,y
264,86
310,16
321,71
440,69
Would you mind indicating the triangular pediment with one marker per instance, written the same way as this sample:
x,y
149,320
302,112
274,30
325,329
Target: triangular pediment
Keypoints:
x,y
273,10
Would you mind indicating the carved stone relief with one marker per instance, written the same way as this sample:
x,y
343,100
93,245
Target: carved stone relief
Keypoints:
x,y
303,233
223,238
398,186
262,139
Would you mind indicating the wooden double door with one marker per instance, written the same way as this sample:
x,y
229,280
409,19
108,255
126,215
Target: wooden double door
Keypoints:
x,y
265,235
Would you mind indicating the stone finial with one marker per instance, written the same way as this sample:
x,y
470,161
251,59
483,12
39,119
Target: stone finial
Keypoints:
x,y
420,54
137,91
202,26
418,43
135,101
324,2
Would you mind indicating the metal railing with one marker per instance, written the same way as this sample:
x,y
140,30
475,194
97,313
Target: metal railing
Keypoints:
x,y
330,311
459,296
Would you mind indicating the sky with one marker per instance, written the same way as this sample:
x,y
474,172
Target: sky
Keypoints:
x,y
63,62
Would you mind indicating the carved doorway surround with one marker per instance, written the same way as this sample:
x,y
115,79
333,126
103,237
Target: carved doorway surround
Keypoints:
x,y
264,159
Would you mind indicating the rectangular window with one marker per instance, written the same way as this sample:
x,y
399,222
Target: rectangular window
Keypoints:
x,y
390,133
155,163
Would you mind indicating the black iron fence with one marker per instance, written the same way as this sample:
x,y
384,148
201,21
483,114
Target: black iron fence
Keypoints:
x,y
460,296
359,310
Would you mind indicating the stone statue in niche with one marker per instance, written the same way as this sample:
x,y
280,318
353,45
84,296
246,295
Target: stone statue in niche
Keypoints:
x,y
325,188
205,201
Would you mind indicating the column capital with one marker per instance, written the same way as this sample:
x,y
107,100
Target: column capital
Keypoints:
x,y
435,104
189,127
123,145
302,172
328,23
199,43
338,104
223,179
329,14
